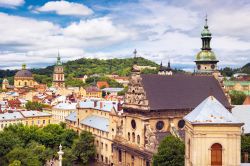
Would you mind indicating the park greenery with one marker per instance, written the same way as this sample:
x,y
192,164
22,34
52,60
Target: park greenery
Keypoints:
x,y
34,146
171,152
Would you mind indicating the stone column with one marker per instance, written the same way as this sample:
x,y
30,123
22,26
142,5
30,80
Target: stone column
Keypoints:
x,y
60,153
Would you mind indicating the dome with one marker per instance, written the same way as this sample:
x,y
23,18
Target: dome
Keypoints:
x,y
206,55
23,73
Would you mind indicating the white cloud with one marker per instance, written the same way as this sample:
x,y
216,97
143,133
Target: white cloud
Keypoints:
x,y
35,42
65,8
11,3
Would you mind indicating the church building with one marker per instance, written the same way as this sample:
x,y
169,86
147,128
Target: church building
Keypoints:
x,y
154,107
58,75
211,125
24,78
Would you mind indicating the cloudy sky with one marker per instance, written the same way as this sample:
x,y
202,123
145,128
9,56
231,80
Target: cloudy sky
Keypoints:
x,y
32,31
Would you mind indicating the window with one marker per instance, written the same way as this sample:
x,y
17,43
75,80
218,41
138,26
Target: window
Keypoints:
x,y
128,136
102,145
138,139
38,121
32,122
120,155
106,160
133,137
44,122
49,121
97,143
106,147
159,125
133,123
216,155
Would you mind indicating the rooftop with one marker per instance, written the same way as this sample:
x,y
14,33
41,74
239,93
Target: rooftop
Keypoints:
x,y
180,91
71,117
34,114
66,106
96,122
10,116
242,112
211,111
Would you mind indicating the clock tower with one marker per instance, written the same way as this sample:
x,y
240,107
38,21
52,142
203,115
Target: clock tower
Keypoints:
x,y
58,75
206,61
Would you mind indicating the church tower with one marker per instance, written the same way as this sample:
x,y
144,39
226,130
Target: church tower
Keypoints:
x,y
5,84
206,61
58,75
165,70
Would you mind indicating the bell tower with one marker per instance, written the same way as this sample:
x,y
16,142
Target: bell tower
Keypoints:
x,y
206,61
58,75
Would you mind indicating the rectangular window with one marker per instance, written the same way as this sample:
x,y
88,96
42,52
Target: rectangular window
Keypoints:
x,y
106,147
44,122
38,122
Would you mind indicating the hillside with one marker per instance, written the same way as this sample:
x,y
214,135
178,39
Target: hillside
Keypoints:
x,y
85,66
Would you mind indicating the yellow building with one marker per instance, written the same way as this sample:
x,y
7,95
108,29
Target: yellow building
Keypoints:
x,y
90,92
29,118
24,78
242,86
94,116
212,136
36,118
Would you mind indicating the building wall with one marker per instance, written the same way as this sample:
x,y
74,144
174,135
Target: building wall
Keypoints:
x,y
37,121
6,123
206,135
58,115
22,82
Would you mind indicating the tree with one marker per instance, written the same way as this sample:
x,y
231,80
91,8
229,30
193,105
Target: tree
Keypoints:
x,y
84,148
237,97
170,152
34,106
15,163
245,145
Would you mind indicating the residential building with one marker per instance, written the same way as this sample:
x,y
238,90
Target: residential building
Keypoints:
x,y
36,118
29,118
62,110
90,92
242,86
94,116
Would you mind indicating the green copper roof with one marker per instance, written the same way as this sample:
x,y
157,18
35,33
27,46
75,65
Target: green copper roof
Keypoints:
x,y
206,55
58,62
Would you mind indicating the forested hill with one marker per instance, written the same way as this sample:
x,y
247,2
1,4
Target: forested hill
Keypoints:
x,y
80,67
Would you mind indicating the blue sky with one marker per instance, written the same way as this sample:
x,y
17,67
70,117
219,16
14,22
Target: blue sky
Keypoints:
x,y
32,31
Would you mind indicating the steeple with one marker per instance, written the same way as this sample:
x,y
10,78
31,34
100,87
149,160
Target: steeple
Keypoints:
x,y
58,62
206,36
135,58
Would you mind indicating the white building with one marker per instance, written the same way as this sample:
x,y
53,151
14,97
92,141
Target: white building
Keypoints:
x,y
62,110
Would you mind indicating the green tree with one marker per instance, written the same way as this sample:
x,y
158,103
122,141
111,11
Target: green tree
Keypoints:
x,y
84,148
34,106
237,97
15,163
170,152
245,146
25,156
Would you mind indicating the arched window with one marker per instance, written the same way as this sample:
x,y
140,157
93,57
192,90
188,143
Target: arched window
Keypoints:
x,y
129,136
138,139
133,137
216,155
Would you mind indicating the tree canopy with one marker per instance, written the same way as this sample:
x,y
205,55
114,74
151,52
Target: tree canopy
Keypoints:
x,y
237,97
170,152
27,146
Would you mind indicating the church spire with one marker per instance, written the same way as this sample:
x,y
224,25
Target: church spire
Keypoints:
x,y
206,36
58,62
